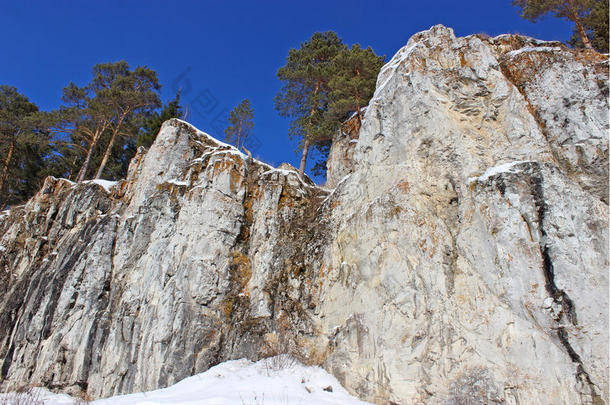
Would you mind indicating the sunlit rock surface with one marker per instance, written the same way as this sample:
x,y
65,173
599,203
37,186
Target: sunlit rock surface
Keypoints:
x,y
462,254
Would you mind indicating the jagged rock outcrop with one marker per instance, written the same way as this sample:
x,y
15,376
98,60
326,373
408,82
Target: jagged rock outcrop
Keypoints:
x,y
445,267
462,254
170,272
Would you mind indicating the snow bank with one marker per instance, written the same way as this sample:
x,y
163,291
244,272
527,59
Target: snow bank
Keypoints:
x,y
275,381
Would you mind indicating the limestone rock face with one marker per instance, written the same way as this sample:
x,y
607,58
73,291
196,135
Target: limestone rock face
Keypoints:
x,y
139,287
471,239
462,255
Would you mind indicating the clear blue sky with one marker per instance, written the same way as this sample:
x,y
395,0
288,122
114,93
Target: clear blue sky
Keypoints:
x,y
220,52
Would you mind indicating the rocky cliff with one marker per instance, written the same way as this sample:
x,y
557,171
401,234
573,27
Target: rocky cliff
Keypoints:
x,y
462,254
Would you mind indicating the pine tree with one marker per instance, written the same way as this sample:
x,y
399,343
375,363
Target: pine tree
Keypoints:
x,y
129,94
572,10
111,107
25,143
595,24
241,126
304,96
353,82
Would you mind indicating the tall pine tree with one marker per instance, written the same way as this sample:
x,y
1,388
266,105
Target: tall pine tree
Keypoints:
x,y
304,96
130,95
241,124
25,144
112,107
595,23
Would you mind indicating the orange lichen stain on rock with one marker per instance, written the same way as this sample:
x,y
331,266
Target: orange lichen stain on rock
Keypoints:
x,y
241,268
236,179
122,187
253,192
463,62
288,198
173,190
227,307
403,186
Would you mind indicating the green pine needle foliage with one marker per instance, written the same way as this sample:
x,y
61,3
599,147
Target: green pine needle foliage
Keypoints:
x,y
241,124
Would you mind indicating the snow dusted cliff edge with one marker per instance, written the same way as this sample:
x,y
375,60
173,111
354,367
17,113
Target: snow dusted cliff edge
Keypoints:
x,y
464,254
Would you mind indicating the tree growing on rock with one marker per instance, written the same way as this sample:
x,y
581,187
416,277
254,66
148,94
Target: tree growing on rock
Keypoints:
x,y
113,105
304,96
240,119
596,27
353,82
572,10
324,83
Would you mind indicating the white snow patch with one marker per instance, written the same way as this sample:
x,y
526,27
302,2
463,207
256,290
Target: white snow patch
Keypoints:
x,y
238,382
106,184
287,173
344,178
281,171
512,54
492,171
177,182
533,40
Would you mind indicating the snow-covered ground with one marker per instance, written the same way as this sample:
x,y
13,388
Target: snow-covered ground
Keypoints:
x,y
275,381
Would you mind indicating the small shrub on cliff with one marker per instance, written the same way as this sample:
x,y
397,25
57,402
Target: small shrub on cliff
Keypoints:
x,y
280,362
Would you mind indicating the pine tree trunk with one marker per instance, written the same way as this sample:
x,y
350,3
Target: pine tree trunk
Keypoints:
x,y
583,35
106,155
83,169
581,30
304,157
109,147
239,145
7,161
